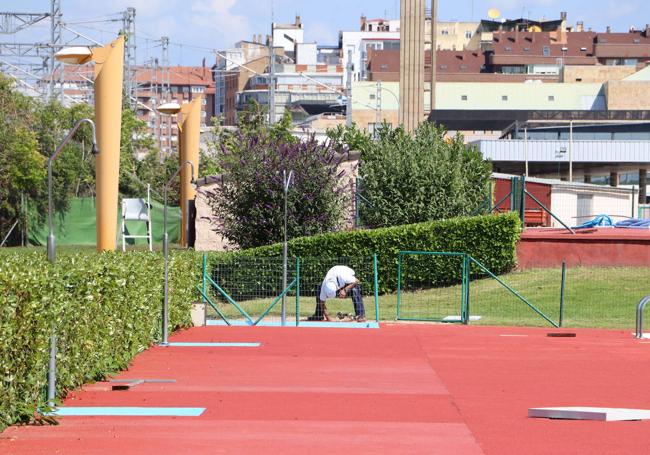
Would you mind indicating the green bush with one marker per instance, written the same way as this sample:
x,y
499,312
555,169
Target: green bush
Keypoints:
x,y
105,308
413,178
490,239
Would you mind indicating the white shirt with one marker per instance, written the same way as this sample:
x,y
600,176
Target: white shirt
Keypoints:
x,y
340,275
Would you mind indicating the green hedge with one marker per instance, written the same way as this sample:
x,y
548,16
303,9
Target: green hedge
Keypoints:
x,y
490,239
105,308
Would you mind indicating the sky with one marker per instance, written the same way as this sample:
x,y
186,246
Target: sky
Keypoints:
x,y
197,26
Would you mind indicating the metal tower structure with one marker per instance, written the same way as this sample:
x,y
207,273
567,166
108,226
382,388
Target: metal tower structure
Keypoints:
x,y
31,64
56,42
166,86
130,81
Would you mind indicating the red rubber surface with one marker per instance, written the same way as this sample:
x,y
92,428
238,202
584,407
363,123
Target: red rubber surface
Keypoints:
x,y
407,388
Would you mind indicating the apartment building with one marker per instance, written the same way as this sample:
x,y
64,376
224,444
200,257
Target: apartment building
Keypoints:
x,y
176,83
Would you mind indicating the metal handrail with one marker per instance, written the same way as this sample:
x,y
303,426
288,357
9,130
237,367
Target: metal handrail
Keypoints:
x,y
639,315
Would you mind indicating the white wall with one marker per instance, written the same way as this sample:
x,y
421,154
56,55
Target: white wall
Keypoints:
x,y
615,202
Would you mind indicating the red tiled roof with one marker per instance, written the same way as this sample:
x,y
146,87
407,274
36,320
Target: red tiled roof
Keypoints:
x,y
178,75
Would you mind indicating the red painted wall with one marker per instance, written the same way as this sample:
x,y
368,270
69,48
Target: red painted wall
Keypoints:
x,y
601,247
540,190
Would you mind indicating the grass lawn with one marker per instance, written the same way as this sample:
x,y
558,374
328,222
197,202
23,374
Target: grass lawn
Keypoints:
x,y
594,297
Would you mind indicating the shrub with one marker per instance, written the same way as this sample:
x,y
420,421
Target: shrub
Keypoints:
x,y
248,203
411,179
105,308
490,239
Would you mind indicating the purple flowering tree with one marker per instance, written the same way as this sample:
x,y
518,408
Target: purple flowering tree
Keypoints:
x,y
248,203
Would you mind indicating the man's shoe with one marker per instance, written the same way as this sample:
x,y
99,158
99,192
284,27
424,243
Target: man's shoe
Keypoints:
x,y
316,318
361,319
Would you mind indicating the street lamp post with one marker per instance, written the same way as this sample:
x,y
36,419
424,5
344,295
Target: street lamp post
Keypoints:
x,y
166,253
51,245
285,250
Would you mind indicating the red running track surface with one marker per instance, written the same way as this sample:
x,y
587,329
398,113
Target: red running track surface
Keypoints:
x,y
406,388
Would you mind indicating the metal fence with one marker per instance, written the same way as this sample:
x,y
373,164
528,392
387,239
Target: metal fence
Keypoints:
x,y
565,205
249,290
596,297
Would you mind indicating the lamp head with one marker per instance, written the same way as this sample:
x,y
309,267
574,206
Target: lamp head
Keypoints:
x,y
74,55
95,149
169,108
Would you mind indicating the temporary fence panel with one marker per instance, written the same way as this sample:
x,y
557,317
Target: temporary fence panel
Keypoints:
x,y
431,286
516,299
312,272
249,290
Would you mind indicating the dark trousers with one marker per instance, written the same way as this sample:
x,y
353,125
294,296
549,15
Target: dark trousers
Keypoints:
x,y
357,301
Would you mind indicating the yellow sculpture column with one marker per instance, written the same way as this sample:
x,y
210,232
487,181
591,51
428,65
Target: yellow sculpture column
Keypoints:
x,y
109,74
188,150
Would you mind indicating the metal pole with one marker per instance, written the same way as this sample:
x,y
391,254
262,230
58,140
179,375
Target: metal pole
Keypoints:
x,y
526,147
165,322
51,374
348,107
562,289
51,240
378,107
571,151
285,248
165,315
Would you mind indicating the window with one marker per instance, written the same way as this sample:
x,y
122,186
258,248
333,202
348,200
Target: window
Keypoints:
x,y
372,96
508,49
551,98
583,49
463,67
443,67
637,41
383,66
204,102
444,32
546,51
504,97
468,34
526,49
463,97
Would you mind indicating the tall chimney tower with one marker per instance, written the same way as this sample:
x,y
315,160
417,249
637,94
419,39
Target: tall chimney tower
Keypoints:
x,y
411,87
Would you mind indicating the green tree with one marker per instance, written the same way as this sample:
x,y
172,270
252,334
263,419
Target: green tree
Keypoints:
x,y
412,178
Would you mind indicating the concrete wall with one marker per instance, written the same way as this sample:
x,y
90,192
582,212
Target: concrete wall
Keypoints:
x,y
519,96
596,74
614,202
628,95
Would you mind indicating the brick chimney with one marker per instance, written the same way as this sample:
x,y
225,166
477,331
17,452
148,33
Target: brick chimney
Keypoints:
x,y
647,30
580,26
608,29
298,22
362,21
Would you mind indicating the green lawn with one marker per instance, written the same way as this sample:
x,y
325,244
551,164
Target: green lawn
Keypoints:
x,y
603,297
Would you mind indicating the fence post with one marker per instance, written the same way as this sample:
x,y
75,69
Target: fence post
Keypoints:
x,y
204,287
633,194
399,283
297,292
562,289
376,285
522,202
464,312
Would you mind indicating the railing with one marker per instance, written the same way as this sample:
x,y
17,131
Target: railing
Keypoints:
x,y
639,315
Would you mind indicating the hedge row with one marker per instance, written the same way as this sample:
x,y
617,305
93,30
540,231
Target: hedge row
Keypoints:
x,y
490,239
105,308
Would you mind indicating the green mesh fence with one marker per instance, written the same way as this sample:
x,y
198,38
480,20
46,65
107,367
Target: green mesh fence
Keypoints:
x,y
530,298
249,290
431,286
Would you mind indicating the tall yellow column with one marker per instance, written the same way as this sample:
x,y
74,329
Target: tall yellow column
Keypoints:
x,y
190,133
109,74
